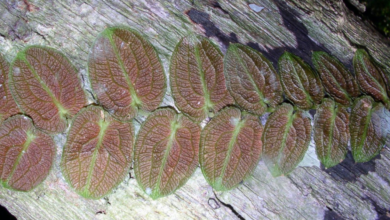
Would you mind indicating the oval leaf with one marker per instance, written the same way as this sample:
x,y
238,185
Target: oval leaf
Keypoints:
x,y
197,78
336,79
46,87
372,80
369,127
286,139
97,153
166,152
230,148
300,83
331,133
126,73
251,79
8,106
26,154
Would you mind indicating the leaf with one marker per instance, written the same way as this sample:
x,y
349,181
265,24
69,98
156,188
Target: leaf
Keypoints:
x,y
166,152
331,133
369,127
8,106
230,148
97,153
336,79
251,79
126,73
26,154
300,83
197,78
46,87
372,80
286,139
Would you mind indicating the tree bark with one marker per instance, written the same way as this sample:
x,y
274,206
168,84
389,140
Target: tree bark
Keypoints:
x,y
348,191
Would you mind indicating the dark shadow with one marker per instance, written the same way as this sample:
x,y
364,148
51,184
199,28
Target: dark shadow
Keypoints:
x,y
5,214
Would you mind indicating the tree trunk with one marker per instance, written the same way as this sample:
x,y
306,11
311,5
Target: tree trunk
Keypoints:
x,y
348,191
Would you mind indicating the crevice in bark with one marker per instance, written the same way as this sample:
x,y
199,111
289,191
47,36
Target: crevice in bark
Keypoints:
x,y
331,215
229,207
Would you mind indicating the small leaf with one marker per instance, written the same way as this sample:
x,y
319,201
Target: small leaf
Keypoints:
x,y
300,83
126,73
197,78
331,133
286,139
372,80
8,106
166,152
252,80
336,79
26,154
369,127
46,87
230,148
97,153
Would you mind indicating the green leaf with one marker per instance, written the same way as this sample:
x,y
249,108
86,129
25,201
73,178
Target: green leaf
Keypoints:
x,y
166,152
369,127
97,153
8,106
252,80
126,73
286,139
336,79
26,154
372,80
197,78
46,87
300,83
331,133
230,148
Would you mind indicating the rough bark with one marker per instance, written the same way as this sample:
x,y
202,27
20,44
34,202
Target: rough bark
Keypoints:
x,y
351,191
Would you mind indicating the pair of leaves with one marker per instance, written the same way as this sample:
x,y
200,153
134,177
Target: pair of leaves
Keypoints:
x,y
197,78
331,132
166,152
251,79
230,148
8,106
126,73
300,83
46,87
97,153
286,139
369,127
336,79
26,154
371,78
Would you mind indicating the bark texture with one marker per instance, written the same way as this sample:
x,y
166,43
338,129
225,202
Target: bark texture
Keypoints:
x,y
348,191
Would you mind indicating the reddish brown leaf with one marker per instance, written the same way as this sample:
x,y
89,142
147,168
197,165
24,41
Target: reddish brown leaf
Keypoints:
x,y
46,87
97,153
26,154
166,152
126,73
8,106
230,148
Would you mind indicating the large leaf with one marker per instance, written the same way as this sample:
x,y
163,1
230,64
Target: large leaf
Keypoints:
x,y
300,83
126,73
97,153
26,154
8,106
252,80
369,127
46,87
197,78
286,139
336,79
372,80
230,148
166,152
331,133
